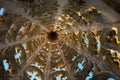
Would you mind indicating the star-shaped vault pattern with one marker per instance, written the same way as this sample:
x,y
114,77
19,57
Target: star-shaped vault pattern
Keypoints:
x,y
58,40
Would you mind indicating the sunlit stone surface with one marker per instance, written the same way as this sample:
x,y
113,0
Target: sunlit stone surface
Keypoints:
x,y
59,40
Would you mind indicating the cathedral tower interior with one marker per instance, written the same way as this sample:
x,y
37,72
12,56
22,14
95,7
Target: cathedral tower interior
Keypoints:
x,y
59,39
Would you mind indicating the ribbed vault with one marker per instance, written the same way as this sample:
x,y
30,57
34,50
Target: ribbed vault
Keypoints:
x,y
58,40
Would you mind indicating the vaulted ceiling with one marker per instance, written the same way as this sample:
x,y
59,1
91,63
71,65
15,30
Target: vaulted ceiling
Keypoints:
x,y
59,40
